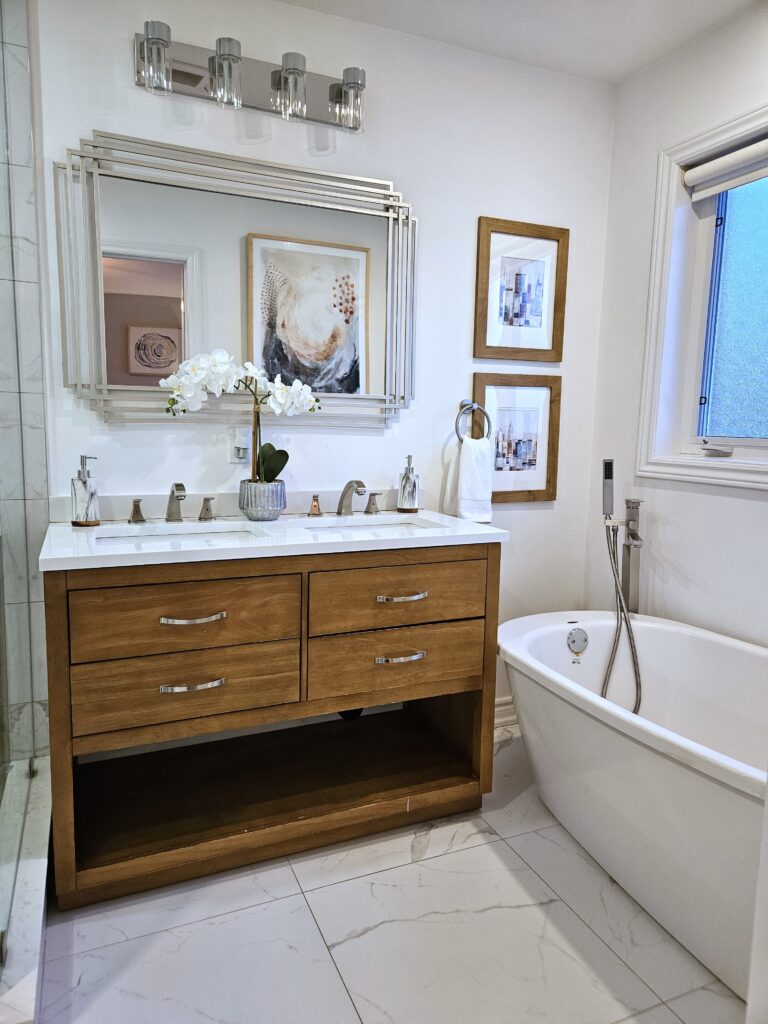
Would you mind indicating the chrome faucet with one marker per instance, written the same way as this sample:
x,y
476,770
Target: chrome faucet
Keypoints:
x,y
345,501
175,498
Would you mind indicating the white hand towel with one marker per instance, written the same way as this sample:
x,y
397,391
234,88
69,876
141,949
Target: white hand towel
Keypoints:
x,y
475,480
451,499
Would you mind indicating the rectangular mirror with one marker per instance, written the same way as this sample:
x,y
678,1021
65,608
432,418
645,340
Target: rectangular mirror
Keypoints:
x,y
168,252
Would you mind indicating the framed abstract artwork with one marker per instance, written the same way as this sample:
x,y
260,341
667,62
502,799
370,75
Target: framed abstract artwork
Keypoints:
x,y
308,312
520,290
525,417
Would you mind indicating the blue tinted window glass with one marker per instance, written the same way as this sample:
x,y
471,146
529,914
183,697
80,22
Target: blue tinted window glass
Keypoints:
x,y
736,374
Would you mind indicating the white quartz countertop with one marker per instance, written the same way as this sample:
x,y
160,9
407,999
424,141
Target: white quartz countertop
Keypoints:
x,y
115,544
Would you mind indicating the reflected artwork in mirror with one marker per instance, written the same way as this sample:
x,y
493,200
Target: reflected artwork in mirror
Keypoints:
x,y
143,318
168,252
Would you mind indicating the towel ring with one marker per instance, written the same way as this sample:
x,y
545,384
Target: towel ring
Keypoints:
x,y
470,407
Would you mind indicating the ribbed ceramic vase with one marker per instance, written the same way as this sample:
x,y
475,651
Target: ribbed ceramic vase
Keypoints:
x,y
262,502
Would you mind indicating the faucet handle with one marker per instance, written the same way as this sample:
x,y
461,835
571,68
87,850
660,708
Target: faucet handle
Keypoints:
x,y
206,512
314,508
136,516
372,508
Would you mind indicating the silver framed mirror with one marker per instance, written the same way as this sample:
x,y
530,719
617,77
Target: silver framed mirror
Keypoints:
x,y
165,252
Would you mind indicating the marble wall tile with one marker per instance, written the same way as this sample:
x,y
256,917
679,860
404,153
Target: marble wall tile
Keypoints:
x,y
41,734
19,109
38,651
17,654
6,257
11,465
471,936
14,21
33,439
13,541
78,931
622,924
30,361
37,524
21,735
24,223
266,964
9,370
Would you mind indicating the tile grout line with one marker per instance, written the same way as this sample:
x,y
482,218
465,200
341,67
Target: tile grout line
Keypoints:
x,y
160,931
613,951
330,953
392,867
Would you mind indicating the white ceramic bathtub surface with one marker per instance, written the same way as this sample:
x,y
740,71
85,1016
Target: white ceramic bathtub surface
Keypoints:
x,y
670,801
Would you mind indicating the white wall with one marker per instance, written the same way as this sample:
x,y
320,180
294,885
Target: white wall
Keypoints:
x,y
462,135
706,555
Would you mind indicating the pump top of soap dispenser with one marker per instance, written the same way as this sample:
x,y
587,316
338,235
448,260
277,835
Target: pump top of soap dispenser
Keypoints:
x,y
83,473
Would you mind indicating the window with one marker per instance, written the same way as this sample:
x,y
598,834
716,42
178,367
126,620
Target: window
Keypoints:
x,y
734,391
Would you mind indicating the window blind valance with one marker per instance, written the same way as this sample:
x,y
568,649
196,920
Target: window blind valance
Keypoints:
x,y
736,168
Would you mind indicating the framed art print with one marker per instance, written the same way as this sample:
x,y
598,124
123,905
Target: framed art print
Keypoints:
x,y
525,417
520,290
308,312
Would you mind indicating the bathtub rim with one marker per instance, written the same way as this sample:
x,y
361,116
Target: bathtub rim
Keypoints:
x,y
515,637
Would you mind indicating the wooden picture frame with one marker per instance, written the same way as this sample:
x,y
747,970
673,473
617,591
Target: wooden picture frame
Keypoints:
x,y
516,464
497,319
329,251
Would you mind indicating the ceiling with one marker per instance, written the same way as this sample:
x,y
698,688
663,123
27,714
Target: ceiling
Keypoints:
x,y
602,39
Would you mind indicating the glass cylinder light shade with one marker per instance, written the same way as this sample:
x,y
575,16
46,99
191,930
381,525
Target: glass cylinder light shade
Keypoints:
x,y
353,91
294,98
276,91
226,85
336,102
157,57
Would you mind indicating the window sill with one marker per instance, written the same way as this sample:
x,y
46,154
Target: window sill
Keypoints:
x,y
751,474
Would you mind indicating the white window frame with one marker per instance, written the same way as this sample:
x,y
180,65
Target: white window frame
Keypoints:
x,y
669,446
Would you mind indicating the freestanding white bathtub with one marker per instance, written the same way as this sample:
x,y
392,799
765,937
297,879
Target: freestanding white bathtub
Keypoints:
x,y
670,801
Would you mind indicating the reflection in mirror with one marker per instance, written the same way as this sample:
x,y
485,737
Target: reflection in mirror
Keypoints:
x,y
143,319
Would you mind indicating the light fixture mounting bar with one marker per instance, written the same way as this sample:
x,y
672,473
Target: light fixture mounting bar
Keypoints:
x,y
190,76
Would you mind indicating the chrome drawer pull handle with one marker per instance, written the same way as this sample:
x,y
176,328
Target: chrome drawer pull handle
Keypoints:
x,y
382,599
213,685
418,656
165,621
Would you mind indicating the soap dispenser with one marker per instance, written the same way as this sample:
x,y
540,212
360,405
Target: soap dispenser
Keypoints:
x,y
85,499
408,491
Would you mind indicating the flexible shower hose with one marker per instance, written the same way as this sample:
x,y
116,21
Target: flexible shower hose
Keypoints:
x,y
622,618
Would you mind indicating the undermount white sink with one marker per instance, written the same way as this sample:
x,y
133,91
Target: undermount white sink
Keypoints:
x,y
379,523
140,531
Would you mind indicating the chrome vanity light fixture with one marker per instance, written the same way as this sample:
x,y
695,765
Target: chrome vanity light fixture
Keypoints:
x,y
353,91
226,79
233,81
294,87
157,57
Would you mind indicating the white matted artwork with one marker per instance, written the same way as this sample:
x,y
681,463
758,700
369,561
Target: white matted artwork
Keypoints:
x,y
525,417
520,291
308,312
154,350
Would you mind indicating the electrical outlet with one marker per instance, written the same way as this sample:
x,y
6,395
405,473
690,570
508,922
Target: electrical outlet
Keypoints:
x,y
239,444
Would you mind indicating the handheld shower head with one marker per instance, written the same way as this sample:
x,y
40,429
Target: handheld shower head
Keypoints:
x,y
607,487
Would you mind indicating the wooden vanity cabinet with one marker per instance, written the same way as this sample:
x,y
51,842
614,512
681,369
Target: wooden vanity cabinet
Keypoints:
x,y
162,677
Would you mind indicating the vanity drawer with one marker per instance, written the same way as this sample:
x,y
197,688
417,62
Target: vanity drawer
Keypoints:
x,y
127,693
399,595
349,664
124,622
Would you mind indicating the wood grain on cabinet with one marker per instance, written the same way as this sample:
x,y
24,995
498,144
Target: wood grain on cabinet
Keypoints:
x,y
126,622
357,599
126,693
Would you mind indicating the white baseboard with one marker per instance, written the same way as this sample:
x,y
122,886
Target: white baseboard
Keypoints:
x,y
506,712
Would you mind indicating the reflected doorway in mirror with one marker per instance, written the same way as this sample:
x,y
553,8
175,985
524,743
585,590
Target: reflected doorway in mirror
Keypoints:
x,y
308,312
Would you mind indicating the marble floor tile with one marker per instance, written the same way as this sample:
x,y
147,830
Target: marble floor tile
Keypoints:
x,y
471,936
514,806
78,931
662,963
656,1015
267,964
390,849
713,1004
